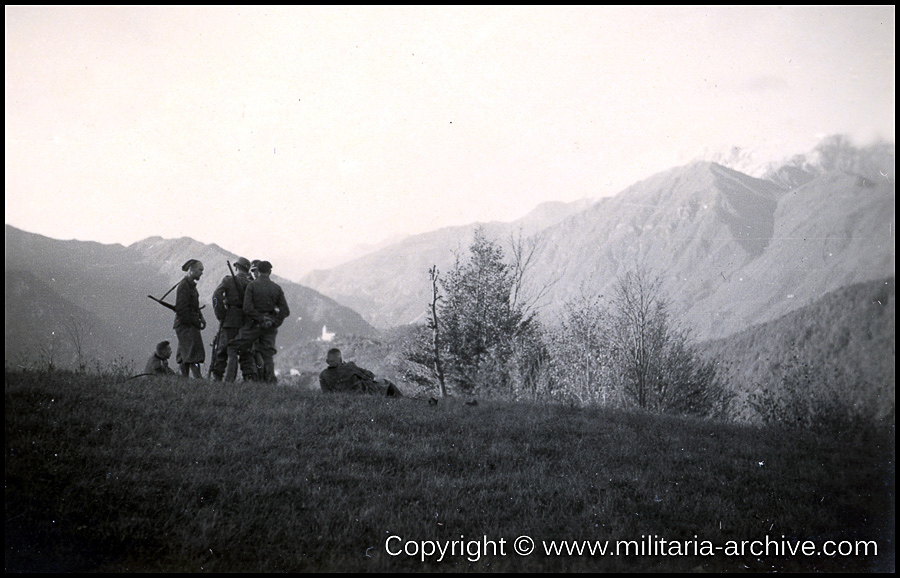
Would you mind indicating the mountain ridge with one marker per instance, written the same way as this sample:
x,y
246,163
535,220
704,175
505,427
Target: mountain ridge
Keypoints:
x,y
106,288
732,250
712,232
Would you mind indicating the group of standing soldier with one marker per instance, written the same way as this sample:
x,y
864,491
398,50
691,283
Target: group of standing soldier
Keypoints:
x,y
250,308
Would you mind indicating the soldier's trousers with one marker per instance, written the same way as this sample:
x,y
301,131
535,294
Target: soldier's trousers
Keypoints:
x,y
242,344
220,357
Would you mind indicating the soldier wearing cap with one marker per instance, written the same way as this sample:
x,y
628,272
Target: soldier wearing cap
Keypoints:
x,y
189,321
265,308
228,305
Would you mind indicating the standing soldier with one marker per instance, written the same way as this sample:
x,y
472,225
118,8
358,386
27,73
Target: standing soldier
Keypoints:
x,y
228,304
189,321
265,308
254,349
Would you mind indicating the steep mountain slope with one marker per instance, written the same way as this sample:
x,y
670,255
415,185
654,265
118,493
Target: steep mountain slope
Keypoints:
x,y
694,225
44,329
392,285
732,250
847,335
106,288
110,282
836,230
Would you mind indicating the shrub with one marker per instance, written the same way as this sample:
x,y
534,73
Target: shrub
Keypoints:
x,y
815,397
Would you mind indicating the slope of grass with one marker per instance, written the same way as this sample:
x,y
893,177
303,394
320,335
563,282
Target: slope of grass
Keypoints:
x,y
179,475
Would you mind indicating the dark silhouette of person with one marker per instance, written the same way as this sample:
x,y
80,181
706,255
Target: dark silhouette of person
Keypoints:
x,y
342,376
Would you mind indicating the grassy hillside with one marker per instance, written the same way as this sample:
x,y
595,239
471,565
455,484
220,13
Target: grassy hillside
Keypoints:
x,y
173,475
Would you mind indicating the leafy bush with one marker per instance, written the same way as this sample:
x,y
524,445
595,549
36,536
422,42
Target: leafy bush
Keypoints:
x,y
816,397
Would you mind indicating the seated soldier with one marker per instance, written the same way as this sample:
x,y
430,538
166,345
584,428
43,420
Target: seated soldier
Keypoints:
x,y
158,364
340,376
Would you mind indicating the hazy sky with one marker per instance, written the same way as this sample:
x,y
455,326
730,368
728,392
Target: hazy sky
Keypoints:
x,y
297,134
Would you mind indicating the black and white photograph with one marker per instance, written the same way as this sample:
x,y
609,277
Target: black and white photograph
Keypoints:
x,y
450,289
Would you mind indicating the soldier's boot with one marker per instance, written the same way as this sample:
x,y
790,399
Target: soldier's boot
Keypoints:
x,y
216,370
195,371
248,369
231,368
269,372
185,369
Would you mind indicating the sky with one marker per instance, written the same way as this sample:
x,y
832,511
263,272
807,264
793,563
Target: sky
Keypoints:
x,y
302,134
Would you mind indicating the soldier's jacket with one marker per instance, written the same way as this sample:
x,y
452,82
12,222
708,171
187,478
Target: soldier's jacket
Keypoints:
x,y
157,365
187,305
228,299
348,377
265,298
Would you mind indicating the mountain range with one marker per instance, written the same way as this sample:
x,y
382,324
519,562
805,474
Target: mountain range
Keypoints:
x,y
732,250
56,290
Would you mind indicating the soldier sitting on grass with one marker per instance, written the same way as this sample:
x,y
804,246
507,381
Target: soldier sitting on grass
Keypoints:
x,y
158,364
340,376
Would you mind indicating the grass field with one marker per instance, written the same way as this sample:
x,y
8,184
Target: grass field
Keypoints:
x,y
165,475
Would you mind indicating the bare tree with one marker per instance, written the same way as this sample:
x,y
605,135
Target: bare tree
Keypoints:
x,y
522,255
435,329
639,326
657,367
47,352
76,331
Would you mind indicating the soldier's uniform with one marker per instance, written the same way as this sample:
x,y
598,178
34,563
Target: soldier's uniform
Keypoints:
x,y
188,324
158,364
349,377
265,308
228,305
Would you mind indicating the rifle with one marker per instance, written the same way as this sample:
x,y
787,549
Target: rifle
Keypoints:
x,y
168,305
160,300
215,343
163,303
215,348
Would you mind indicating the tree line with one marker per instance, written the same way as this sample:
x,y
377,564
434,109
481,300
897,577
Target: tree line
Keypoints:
x,y
484,337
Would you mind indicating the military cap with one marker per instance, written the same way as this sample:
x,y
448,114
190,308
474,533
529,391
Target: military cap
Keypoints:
x,y
264,267
242,263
